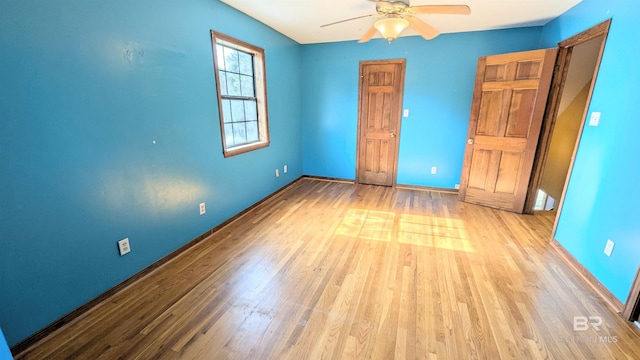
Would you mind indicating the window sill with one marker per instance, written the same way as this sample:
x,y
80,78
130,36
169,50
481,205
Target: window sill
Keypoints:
x,y
237,150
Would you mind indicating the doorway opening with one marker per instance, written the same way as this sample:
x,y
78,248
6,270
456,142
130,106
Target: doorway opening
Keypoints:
x,y
574,78
631,310
570,113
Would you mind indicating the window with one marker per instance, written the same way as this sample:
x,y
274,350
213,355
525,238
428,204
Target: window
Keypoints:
x,y
242,94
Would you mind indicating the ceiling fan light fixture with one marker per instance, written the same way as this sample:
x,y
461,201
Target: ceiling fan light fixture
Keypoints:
x,y
391,27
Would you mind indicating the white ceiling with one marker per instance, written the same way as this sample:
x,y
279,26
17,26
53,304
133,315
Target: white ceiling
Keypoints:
x,y
301,19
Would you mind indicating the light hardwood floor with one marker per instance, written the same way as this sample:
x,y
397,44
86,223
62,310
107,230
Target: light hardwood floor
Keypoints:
x,y
335,270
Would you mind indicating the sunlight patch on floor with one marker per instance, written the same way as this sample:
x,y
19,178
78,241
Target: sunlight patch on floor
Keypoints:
x,y
433,231
419,230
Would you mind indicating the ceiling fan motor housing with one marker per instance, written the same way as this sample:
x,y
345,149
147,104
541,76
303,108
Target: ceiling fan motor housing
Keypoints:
x,y
392,7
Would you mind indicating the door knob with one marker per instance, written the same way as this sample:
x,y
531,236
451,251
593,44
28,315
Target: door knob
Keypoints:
x,y
470,141
392,134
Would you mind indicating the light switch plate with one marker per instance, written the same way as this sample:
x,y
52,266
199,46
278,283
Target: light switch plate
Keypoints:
x,y
595,119
609,247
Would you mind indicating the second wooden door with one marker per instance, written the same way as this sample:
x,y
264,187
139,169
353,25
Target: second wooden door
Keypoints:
x,y
508,106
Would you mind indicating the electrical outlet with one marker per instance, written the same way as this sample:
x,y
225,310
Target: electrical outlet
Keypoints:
x,y
405,113
203,209
434,170
123,246
608,249
595,119
277,173
285,169
457,186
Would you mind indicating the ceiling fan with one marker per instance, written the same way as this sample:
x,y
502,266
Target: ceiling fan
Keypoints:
x,y
397,15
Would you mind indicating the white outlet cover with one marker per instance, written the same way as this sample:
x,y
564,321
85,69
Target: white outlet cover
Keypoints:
x,y
595,119
277,173
124,247
608,249
434,170
203,208
405,113
285,169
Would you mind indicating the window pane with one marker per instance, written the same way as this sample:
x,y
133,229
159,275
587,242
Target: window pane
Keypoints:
x,y
226,111
223,83
247,85
250,110
237,110
239,133
220,56
228,134
246,64
233,84
231,59
252,131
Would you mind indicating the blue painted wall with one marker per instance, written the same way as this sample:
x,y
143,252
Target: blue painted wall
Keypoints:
x,y
86,87
438,89
603,195
5,353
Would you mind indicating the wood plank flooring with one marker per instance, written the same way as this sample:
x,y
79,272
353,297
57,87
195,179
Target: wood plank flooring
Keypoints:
x,y
329,270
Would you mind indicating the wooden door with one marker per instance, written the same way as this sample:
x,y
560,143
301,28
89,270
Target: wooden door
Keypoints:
x,y
509,101
379,113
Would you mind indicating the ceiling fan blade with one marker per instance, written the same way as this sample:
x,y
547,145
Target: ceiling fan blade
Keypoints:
x,y
355,18
368,35
441,9
425,30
